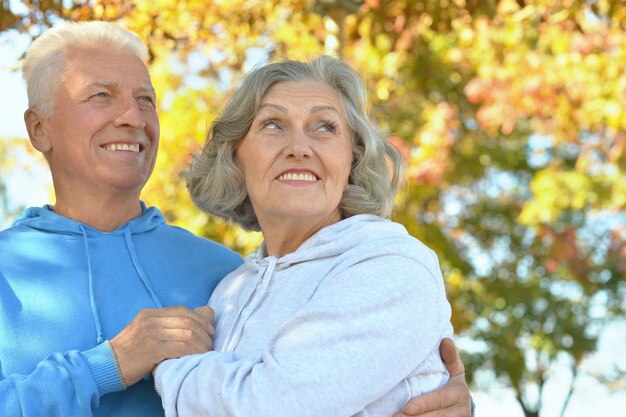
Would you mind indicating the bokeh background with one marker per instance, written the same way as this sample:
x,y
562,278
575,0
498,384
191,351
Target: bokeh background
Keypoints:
x,y
511,116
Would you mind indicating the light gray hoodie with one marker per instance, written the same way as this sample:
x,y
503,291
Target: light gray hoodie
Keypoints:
x,y
349,324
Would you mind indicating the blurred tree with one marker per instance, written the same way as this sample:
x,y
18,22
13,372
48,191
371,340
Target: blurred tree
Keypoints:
x,y
4,161
16,154
510,115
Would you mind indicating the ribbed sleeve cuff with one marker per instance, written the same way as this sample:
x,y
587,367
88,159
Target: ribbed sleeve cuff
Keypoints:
x,y
158,373
103,366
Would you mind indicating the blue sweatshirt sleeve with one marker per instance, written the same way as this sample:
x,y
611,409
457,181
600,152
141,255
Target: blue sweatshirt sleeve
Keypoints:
x,y
63,384
334,356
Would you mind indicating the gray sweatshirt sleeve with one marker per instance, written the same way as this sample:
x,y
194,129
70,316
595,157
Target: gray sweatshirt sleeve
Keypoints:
x,y
361,334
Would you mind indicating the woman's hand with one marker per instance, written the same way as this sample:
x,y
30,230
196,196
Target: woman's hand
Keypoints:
x,y
451,400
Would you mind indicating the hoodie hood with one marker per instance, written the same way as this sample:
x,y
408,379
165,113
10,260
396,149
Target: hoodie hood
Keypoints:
x,y
46,220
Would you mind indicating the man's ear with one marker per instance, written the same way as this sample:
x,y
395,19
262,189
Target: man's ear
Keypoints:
x,y
37,130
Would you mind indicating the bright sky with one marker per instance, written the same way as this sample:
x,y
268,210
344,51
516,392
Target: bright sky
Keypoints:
x,y
590,397
14,100
24,188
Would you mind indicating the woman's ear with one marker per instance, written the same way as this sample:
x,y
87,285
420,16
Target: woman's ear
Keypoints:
x,y
37,130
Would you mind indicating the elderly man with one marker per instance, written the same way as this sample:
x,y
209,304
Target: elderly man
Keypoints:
x,y
97,289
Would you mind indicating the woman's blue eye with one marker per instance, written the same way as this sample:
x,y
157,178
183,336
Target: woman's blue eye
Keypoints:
x,y
270,124
328,127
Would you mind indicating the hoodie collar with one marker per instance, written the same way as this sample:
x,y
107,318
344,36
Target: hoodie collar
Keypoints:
x,y
332,240
44,219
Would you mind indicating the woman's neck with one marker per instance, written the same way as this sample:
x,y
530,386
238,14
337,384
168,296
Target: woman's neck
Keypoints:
x,y
285,235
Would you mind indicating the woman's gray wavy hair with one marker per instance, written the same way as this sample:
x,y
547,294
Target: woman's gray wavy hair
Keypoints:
x,y
217,185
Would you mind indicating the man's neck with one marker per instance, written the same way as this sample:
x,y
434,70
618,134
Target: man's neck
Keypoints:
x,y
102,214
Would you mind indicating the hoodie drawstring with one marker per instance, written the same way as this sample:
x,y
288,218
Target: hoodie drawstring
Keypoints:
x,y
140,272
142,275
92,299
254,299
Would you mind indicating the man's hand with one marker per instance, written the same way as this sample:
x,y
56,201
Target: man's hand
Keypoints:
x,y
158,334
451,400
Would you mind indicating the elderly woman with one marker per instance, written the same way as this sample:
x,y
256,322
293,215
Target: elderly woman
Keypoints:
x,y
340,312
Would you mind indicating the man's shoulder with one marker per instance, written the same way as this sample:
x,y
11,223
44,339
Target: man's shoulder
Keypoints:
x,y
13,232
19,243
181,238
180,233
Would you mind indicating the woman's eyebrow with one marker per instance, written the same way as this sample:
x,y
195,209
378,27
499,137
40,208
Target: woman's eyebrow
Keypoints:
x,y
314,109
276,106
322,108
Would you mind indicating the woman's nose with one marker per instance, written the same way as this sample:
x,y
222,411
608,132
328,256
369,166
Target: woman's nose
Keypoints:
x,y
298,145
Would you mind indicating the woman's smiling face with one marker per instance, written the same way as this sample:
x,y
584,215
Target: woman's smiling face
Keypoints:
x,y
297,156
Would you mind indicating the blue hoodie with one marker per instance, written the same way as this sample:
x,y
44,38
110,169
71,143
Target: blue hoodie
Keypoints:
x,y
66,288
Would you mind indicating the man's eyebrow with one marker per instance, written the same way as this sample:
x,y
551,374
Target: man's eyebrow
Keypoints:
x,y
113,85
100,84
146,88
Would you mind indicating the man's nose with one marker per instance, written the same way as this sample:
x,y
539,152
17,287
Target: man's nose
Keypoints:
x,y
131,115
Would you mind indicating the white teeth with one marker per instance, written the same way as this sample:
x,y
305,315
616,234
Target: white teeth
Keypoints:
x,y
122,147
297,176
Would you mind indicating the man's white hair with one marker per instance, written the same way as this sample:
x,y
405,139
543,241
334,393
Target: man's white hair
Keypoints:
x,y
46,59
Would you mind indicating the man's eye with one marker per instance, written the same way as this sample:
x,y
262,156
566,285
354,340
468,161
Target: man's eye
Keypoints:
x,y
146,99
101,94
